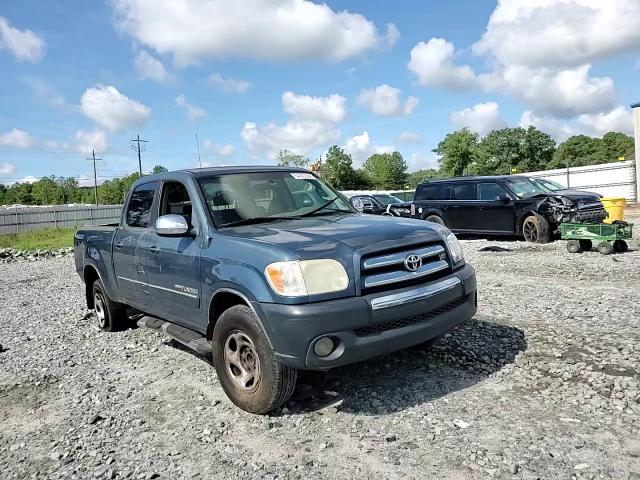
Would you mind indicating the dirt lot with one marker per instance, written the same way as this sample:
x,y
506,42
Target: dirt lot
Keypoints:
x,y
543,383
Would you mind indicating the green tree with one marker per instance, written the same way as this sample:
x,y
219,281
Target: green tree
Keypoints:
x,y
290,159
514,148
458,151
3,194
386,170
616,144
419,176
46,191
159,169
19,193
337,169
577,151
69,191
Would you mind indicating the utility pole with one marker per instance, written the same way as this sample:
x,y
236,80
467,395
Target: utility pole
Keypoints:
x,y
198,147
138,145
95,174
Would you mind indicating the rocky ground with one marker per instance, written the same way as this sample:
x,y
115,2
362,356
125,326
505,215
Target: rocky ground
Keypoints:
x,y
543,383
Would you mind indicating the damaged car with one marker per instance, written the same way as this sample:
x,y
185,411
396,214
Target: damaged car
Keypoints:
x,y
502,205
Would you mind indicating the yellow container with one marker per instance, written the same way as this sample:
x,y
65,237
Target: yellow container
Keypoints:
x,y
615,208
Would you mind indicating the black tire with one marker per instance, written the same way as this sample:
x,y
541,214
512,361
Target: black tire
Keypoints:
x,y
605,248
620,246
586,245
535,229
111,316
573,246
435,219
241,350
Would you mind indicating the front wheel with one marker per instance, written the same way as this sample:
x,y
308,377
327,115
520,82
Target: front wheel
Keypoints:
x,y
535,229
250,374
435,219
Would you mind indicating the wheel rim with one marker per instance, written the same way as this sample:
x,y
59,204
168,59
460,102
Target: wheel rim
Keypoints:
x,y
241,360
530,232
98,303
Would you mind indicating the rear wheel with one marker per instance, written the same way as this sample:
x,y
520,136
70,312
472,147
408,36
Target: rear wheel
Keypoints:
x,y
573,246
620,246
605,248
250,374
435,219
586,245
535,229
111,316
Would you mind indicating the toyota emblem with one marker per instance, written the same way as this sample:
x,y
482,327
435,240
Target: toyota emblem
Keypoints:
x,y
412,262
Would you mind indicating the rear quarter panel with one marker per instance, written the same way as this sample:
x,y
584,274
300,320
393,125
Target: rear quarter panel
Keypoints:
x,y
93,248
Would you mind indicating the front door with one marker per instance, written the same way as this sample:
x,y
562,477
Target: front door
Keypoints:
x,y
496,211
129,245
173,263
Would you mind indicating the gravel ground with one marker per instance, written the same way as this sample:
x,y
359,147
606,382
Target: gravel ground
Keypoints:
x,y
543,383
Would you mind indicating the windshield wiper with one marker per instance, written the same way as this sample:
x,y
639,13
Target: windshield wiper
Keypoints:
x,y
322,207
254,220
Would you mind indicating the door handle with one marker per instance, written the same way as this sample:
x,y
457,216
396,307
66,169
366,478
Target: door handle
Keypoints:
x,y
154,249
119,245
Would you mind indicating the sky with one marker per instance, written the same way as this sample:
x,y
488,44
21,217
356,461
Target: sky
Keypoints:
x,y
251,77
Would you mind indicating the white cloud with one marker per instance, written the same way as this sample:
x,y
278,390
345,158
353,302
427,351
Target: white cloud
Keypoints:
x,y
386,101
620,119
224,150
229,85
193,112
409,137
300,137
259,29
433,63
16,139
87,141
558,128
421,161
23,44
330,109
149,67
112,110
88,181
7,168
56,145
360,148
28,179
559,33
481,118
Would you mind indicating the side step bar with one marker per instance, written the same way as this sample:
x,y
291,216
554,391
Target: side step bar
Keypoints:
x,y
193,340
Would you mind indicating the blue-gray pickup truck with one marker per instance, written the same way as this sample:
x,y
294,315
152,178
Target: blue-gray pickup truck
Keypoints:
x,y
270,270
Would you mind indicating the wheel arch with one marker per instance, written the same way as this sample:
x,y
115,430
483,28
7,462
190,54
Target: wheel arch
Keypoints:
x,y
225,298
90,274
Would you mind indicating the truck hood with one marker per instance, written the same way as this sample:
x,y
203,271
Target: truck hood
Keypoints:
x,y
330,235
576,196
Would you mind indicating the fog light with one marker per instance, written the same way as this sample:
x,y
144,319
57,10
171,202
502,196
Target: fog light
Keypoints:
x,y
323,347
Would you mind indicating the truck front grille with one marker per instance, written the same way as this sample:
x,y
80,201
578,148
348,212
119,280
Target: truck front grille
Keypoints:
x,y
591,213
410,321
388,269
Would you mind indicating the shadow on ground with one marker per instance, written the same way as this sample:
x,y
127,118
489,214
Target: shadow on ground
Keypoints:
x,y
464,357
394,382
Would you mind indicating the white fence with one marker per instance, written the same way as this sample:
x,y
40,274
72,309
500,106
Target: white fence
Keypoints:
x,y
21,219
608,179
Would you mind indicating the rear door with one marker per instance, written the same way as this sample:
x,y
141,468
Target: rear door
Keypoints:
x,y
495,213
460,206
130,245
173,263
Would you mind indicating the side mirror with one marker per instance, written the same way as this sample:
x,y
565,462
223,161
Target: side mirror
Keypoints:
x,y
172,225
503,198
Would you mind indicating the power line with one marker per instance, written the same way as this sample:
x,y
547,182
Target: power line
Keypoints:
x,y
139,146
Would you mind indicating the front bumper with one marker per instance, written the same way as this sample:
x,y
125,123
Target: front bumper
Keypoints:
x,y
370,325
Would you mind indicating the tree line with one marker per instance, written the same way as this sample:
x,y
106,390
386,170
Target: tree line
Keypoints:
x,y
504,151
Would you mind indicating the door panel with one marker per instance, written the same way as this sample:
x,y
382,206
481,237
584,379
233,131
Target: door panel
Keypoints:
x,y
461,207
494,213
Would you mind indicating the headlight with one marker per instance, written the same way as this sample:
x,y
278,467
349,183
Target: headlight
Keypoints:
x,y
306,277
454,248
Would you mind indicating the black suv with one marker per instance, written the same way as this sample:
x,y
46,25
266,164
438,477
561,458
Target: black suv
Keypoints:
x,y
502,205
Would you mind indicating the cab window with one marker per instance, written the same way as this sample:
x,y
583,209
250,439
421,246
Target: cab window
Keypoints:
x,y
139,208
429,192
490,191
462,191
176,201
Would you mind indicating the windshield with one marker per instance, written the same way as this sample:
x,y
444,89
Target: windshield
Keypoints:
x,y
258,197
549,185
524,188
387,199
